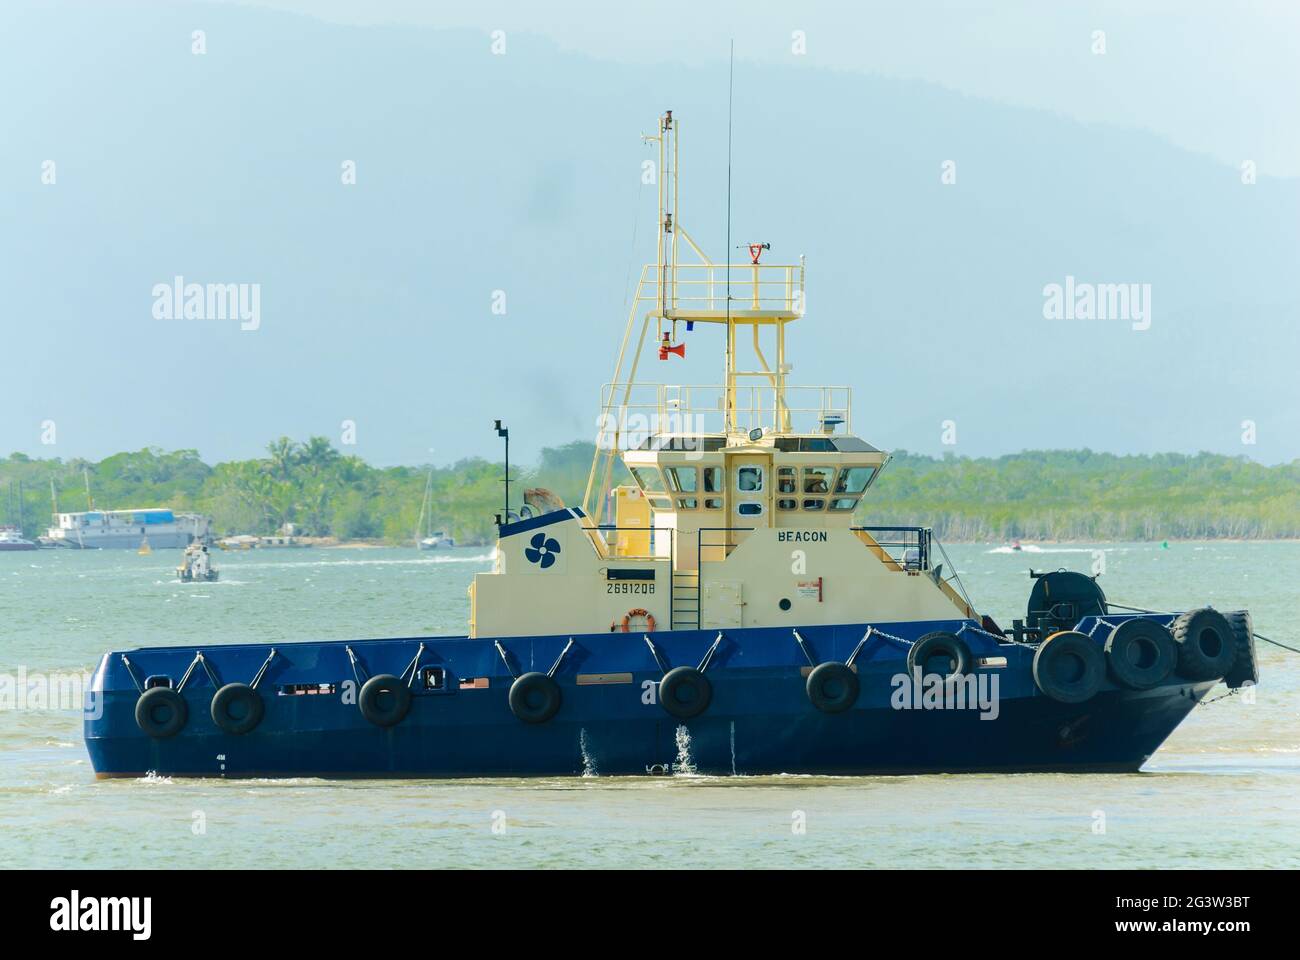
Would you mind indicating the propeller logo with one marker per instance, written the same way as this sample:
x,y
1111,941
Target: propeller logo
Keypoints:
x,y
542,550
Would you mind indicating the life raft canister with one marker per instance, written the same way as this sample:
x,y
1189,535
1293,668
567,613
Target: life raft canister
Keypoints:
x,y
384,700
685,692
937,646
1207,647
1069,667
161,712
534,697
832,687
1140,654
639,612
237,708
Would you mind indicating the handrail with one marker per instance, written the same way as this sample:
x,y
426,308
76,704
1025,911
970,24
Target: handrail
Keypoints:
x,y
919,540
645,409
751,286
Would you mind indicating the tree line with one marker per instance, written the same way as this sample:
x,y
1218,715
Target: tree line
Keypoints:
x,y
1035,495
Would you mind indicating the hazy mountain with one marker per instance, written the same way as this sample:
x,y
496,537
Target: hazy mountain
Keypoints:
x,y
521,172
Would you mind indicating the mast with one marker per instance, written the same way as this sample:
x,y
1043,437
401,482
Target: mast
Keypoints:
x,y
729,381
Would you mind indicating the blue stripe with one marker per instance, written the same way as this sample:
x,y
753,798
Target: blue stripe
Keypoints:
x,y
532,523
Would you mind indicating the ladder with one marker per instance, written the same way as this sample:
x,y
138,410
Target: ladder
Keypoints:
x,y
686,600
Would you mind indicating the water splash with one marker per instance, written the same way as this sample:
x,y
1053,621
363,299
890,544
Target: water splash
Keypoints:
x,y
683,765
588,761
733,748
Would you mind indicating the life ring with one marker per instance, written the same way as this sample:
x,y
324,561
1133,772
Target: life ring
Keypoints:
x,y
237,708
384,700
1140,654
1207,648
936,645
639,612
1069,667
685,692
534,697
832,687
161,712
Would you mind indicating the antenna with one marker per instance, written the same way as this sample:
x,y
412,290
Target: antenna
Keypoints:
x,y
729,382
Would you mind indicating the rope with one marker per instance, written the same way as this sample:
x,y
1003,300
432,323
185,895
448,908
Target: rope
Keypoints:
x,y
1276,644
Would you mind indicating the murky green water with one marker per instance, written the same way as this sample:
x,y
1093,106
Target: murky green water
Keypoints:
x,y
1224,791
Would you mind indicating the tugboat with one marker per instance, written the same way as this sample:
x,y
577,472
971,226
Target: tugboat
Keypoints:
x,y
732,619
196,565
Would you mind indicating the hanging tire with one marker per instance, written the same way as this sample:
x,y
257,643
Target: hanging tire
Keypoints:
x,y
1207,648
237,708
1069,667
936,646
1140,654
1246,667
534,697
384,700
685,692
161,712
832,687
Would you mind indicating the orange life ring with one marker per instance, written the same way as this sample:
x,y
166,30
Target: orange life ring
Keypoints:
x,y
639,612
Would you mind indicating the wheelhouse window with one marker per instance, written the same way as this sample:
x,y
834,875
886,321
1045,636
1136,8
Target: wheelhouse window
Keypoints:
x,y
854,479
843,504
712,503
787,482
647,478
814,504
687,503
713,480
749,479
817,480
682,479
749,508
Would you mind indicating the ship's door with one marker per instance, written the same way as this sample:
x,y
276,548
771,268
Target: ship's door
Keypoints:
x,y
749,494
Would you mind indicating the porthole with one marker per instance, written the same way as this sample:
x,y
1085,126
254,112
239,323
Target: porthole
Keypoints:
x,y
785,603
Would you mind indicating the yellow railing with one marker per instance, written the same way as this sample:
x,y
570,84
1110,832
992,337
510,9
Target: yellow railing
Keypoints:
x,y
694,287
654,409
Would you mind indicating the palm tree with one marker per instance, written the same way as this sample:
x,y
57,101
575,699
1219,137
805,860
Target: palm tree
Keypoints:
x,y
283,456
317,454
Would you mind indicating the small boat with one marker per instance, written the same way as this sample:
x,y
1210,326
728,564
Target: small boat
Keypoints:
x,y
11,539
427,538
1015,545
196,565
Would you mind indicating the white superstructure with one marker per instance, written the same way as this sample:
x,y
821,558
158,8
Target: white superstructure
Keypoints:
x,y
126,529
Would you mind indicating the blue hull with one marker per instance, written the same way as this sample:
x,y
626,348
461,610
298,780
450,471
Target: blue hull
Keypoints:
x,y
760,719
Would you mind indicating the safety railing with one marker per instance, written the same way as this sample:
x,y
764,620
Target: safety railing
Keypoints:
x,y
702,287
909,547
656,409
